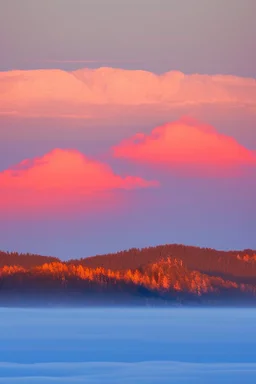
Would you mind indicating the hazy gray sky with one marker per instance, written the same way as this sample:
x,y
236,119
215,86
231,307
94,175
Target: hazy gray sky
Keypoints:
x,y
206,36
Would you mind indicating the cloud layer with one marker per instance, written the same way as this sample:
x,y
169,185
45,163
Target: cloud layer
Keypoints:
x,y
75,94
59,179
147,372
186,143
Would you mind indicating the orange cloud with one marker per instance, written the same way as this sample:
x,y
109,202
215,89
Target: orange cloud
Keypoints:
x,y
62,179
188,144
79,94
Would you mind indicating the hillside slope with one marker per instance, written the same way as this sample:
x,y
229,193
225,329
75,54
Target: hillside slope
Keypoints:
x,y
166,281
25,260
239,266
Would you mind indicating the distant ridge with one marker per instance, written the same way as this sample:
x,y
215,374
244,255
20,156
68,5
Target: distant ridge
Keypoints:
x,y
164,275
226,264
25,260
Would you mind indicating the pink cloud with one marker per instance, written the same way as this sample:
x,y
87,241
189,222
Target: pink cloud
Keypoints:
x,y
80,93
62,180
186,144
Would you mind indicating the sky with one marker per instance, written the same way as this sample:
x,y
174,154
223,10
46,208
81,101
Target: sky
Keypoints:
x,y
127,124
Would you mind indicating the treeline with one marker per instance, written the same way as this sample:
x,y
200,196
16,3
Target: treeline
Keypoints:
x,y
230,265
167,279
25,260
236,266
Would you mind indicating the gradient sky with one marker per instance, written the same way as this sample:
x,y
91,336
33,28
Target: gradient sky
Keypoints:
x,y
127,124
212,36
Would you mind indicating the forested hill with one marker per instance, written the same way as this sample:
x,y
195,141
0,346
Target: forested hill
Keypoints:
x,y
239,266
235,265
175,273
166,282
25,260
